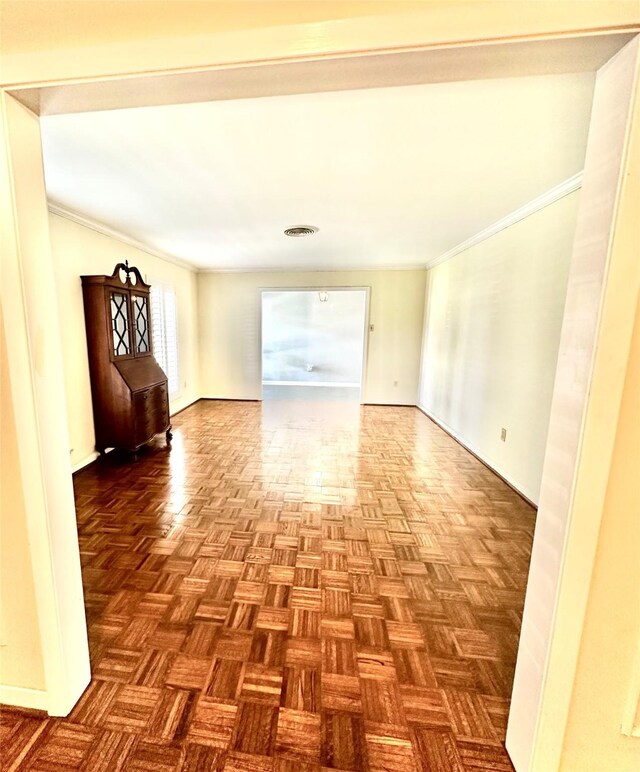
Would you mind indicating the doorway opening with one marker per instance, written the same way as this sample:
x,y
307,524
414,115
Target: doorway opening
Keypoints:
x,y
314,344
530,702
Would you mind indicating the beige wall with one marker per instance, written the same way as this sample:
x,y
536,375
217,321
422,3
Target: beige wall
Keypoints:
x,y
78,250
171,42
21,662
39,24
492,329
604,688
230,349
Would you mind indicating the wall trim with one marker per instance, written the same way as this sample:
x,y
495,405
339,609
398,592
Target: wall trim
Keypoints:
x,y
229,399
95,455
461,442
19,697
535,205
190,402
552,195
315,269
390,404
105,230
85,462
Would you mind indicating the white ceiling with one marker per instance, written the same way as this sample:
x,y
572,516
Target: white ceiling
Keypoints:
x,y
391,177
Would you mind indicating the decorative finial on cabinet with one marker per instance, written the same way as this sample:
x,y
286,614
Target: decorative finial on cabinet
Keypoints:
x,y
129,272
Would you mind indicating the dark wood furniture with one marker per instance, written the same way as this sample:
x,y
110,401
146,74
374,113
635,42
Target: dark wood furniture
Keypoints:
x,y
128,387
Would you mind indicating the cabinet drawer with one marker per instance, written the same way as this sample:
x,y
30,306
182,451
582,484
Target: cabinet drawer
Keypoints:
x,y
150,408
141,402
154,398
160,398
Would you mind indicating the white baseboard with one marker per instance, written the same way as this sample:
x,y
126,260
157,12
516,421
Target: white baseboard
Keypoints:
x,y
92,456
181,405
496,470
19,697
218,398
85,462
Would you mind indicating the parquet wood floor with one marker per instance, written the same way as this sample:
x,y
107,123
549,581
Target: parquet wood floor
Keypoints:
x,y
293,587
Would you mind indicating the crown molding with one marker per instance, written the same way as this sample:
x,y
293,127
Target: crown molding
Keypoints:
x,y
535,205
105,230
315,269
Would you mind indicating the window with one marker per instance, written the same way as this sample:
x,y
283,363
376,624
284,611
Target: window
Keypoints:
x,y
165,333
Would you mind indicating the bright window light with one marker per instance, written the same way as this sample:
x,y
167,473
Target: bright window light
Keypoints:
x,y
165,333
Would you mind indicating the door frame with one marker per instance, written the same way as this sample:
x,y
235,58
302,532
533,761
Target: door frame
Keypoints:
x,y
471,31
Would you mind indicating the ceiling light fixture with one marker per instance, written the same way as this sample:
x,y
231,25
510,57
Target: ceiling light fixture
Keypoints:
x,y
300,230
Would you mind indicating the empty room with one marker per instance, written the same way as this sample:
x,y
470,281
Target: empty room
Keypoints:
x,y
319,386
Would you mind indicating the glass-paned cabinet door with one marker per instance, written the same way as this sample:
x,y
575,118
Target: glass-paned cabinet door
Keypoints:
x,y
140,304
119,308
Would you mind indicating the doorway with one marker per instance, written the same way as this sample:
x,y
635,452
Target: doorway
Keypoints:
x,y
314,344
27,256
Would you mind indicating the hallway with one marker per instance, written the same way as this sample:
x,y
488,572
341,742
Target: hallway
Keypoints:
x,y
294,586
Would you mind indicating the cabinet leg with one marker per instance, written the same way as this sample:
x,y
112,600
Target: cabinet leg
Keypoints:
x,y
169,436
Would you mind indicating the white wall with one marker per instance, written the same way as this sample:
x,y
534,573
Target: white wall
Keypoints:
x,y
309,340
21,661
79,250
492,328
230,347
37,394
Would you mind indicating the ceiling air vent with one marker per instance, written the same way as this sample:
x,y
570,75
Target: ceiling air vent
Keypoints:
x,y
301,230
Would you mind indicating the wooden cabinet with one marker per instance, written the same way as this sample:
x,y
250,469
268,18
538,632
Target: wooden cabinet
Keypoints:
x,y
128,387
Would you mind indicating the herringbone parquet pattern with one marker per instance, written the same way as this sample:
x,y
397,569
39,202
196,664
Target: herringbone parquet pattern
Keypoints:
x,y
293,587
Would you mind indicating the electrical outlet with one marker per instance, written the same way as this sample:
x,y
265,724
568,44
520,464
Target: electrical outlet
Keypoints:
x,y
503,434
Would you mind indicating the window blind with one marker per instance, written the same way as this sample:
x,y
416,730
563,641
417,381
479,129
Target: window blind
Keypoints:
x,y
165,333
